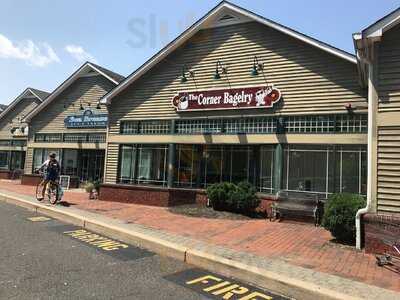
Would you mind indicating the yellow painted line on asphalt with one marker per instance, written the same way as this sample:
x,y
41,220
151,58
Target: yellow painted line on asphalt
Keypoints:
x,y
96,240
39,219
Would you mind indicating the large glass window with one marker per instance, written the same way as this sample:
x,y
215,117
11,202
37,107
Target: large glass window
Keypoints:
x,y
351,170
150,166
213,165
40,155
17,160
306,169
325,169
187,165
4,161
127,166
70,162
266,169
227,163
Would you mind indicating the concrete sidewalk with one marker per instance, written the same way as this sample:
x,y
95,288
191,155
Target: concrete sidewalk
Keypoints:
x,y
242,248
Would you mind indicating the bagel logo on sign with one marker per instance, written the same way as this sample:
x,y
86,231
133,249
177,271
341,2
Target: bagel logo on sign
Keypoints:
x,y
238,98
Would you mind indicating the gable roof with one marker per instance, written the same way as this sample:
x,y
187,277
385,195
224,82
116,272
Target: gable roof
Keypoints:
x,y
367,37
220,12
40,95
2,107
378,28
82,70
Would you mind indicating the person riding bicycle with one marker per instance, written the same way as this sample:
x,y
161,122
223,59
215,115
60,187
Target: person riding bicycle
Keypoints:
x,y
51,169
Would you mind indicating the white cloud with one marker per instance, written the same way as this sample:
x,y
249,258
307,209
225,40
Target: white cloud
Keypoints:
x,y
79,53
38,55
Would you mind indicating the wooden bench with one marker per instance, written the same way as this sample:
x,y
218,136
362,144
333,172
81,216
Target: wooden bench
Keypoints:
x,y
291,204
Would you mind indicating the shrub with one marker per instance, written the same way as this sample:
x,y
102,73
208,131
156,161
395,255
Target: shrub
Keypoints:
x,y
89,186
218,194
240,198
339,216
246,200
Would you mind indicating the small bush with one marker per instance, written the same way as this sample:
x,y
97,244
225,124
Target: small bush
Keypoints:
x,y
218,194
89,187
240,198
339,216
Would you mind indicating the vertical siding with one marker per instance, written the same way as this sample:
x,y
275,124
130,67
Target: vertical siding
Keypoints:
x,y
111,163
389,71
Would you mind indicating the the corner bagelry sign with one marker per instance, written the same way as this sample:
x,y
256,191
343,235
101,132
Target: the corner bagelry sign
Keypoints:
x,y
238,98
87,120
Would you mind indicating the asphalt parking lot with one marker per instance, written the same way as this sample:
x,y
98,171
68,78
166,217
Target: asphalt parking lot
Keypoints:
x,y
42,258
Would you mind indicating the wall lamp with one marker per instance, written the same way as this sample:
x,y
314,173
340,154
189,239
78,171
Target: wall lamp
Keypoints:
x,y
219,67
257,67
183,75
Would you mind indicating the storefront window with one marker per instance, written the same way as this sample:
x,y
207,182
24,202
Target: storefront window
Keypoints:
x,y
151,164
128,159
325,170
306,169
238,160
40,155
213,165
187,165
17,160
4,159
351,170
266,169
227,163
70,162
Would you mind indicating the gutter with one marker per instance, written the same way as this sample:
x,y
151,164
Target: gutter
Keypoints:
x,y
371,125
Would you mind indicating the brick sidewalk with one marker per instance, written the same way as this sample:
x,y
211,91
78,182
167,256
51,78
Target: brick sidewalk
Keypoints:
x,y
296,243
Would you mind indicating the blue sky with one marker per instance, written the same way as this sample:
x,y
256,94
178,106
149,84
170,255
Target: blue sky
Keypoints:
x,y
43,41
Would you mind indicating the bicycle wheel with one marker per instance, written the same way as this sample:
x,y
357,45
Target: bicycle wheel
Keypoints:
x,y
53,193
39,191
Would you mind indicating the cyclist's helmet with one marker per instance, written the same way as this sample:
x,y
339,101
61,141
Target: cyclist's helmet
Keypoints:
x,y
52,155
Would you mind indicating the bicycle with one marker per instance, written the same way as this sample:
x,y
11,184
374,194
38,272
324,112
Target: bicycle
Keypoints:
x,y
52,191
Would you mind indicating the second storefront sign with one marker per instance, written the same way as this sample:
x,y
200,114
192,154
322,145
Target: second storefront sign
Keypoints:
x,y
238,98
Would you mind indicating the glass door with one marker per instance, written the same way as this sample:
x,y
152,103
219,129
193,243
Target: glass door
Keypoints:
x,y
91,165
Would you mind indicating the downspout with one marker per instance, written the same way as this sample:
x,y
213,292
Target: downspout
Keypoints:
x,y
371,126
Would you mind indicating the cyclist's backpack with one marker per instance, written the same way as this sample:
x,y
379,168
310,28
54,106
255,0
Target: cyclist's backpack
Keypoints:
x,y
52,166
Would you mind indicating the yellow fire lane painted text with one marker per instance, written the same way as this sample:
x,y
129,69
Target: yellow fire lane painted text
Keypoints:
x,y
96,240
226,290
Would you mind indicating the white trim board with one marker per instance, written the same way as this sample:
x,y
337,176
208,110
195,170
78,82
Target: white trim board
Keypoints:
x,y
207,21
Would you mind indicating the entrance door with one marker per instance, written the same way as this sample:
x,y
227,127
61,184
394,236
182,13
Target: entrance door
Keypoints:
x,y
91,165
